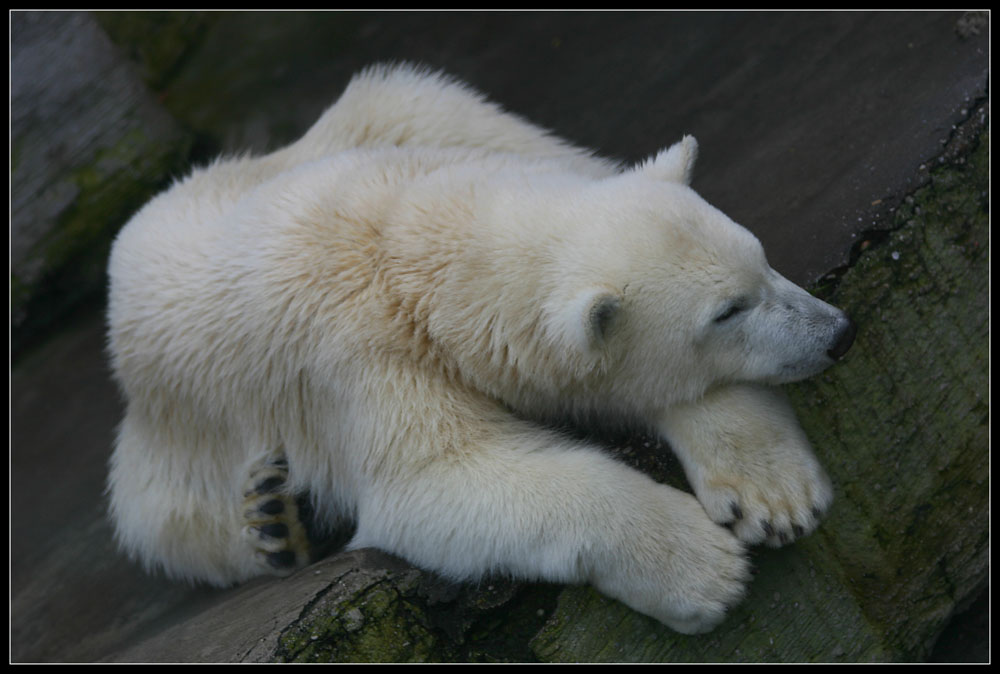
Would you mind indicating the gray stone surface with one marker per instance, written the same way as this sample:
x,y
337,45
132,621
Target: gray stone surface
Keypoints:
x,y
89,145
805,122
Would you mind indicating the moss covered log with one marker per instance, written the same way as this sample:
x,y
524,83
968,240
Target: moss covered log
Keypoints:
x,y
902,426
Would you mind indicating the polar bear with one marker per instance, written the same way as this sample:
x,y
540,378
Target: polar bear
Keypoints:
x,y
382,317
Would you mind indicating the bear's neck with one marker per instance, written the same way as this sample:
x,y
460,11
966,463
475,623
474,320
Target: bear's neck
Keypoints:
x,y
474,275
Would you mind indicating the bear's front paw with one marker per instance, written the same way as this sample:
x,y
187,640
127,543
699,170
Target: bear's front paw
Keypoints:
x,y
771,496
711,583
676,565
750,463
271,520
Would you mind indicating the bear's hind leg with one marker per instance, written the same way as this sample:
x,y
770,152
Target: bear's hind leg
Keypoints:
x,y
273,528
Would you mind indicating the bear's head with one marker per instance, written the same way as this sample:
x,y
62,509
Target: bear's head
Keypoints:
x,y
668,297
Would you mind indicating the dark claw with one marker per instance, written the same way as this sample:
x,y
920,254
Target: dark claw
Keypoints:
x,y
277,530
768,529
797,530
783,537
281,560
273,507
817,513
737,511
270,485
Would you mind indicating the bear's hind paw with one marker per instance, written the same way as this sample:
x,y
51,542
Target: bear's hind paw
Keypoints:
x,y
272,526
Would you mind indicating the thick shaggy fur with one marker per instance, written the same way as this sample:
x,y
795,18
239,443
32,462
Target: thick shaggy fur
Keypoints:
x,y
383,304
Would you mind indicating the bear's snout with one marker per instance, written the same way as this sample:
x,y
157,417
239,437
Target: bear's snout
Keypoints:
x,y
844,339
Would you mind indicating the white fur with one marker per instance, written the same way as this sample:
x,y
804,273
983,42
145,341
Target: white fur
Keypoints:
x,y
375,299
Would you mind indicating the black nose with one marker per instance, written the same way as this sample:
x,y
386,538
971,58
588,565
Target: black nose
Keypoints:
x,y
844,340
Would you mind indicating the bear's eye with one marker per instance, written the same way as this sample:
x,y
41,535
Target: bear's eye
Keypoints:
x,y
729,313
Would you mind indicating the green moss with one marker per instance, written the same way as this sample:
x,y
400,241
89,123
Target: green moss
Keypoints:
x,y
221,81
501,633
409,616
378,624
109,189
157,41
903,423
795,612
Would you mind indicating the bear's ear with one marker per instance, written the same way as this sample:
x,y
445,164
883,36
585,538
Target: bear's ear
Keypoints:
x,y
674,164
590,315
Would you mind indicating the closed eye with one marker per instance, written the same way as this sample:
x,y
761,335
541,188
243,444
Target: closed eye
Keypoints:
x,y
728,313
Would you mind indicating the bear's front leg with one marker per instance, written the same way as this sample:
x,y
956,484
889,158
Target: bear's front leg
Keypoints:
x,y
749,463
537,506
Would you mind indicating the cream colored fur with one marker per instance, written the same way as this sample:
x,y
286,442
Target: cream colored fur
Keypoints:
x,y
393,301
